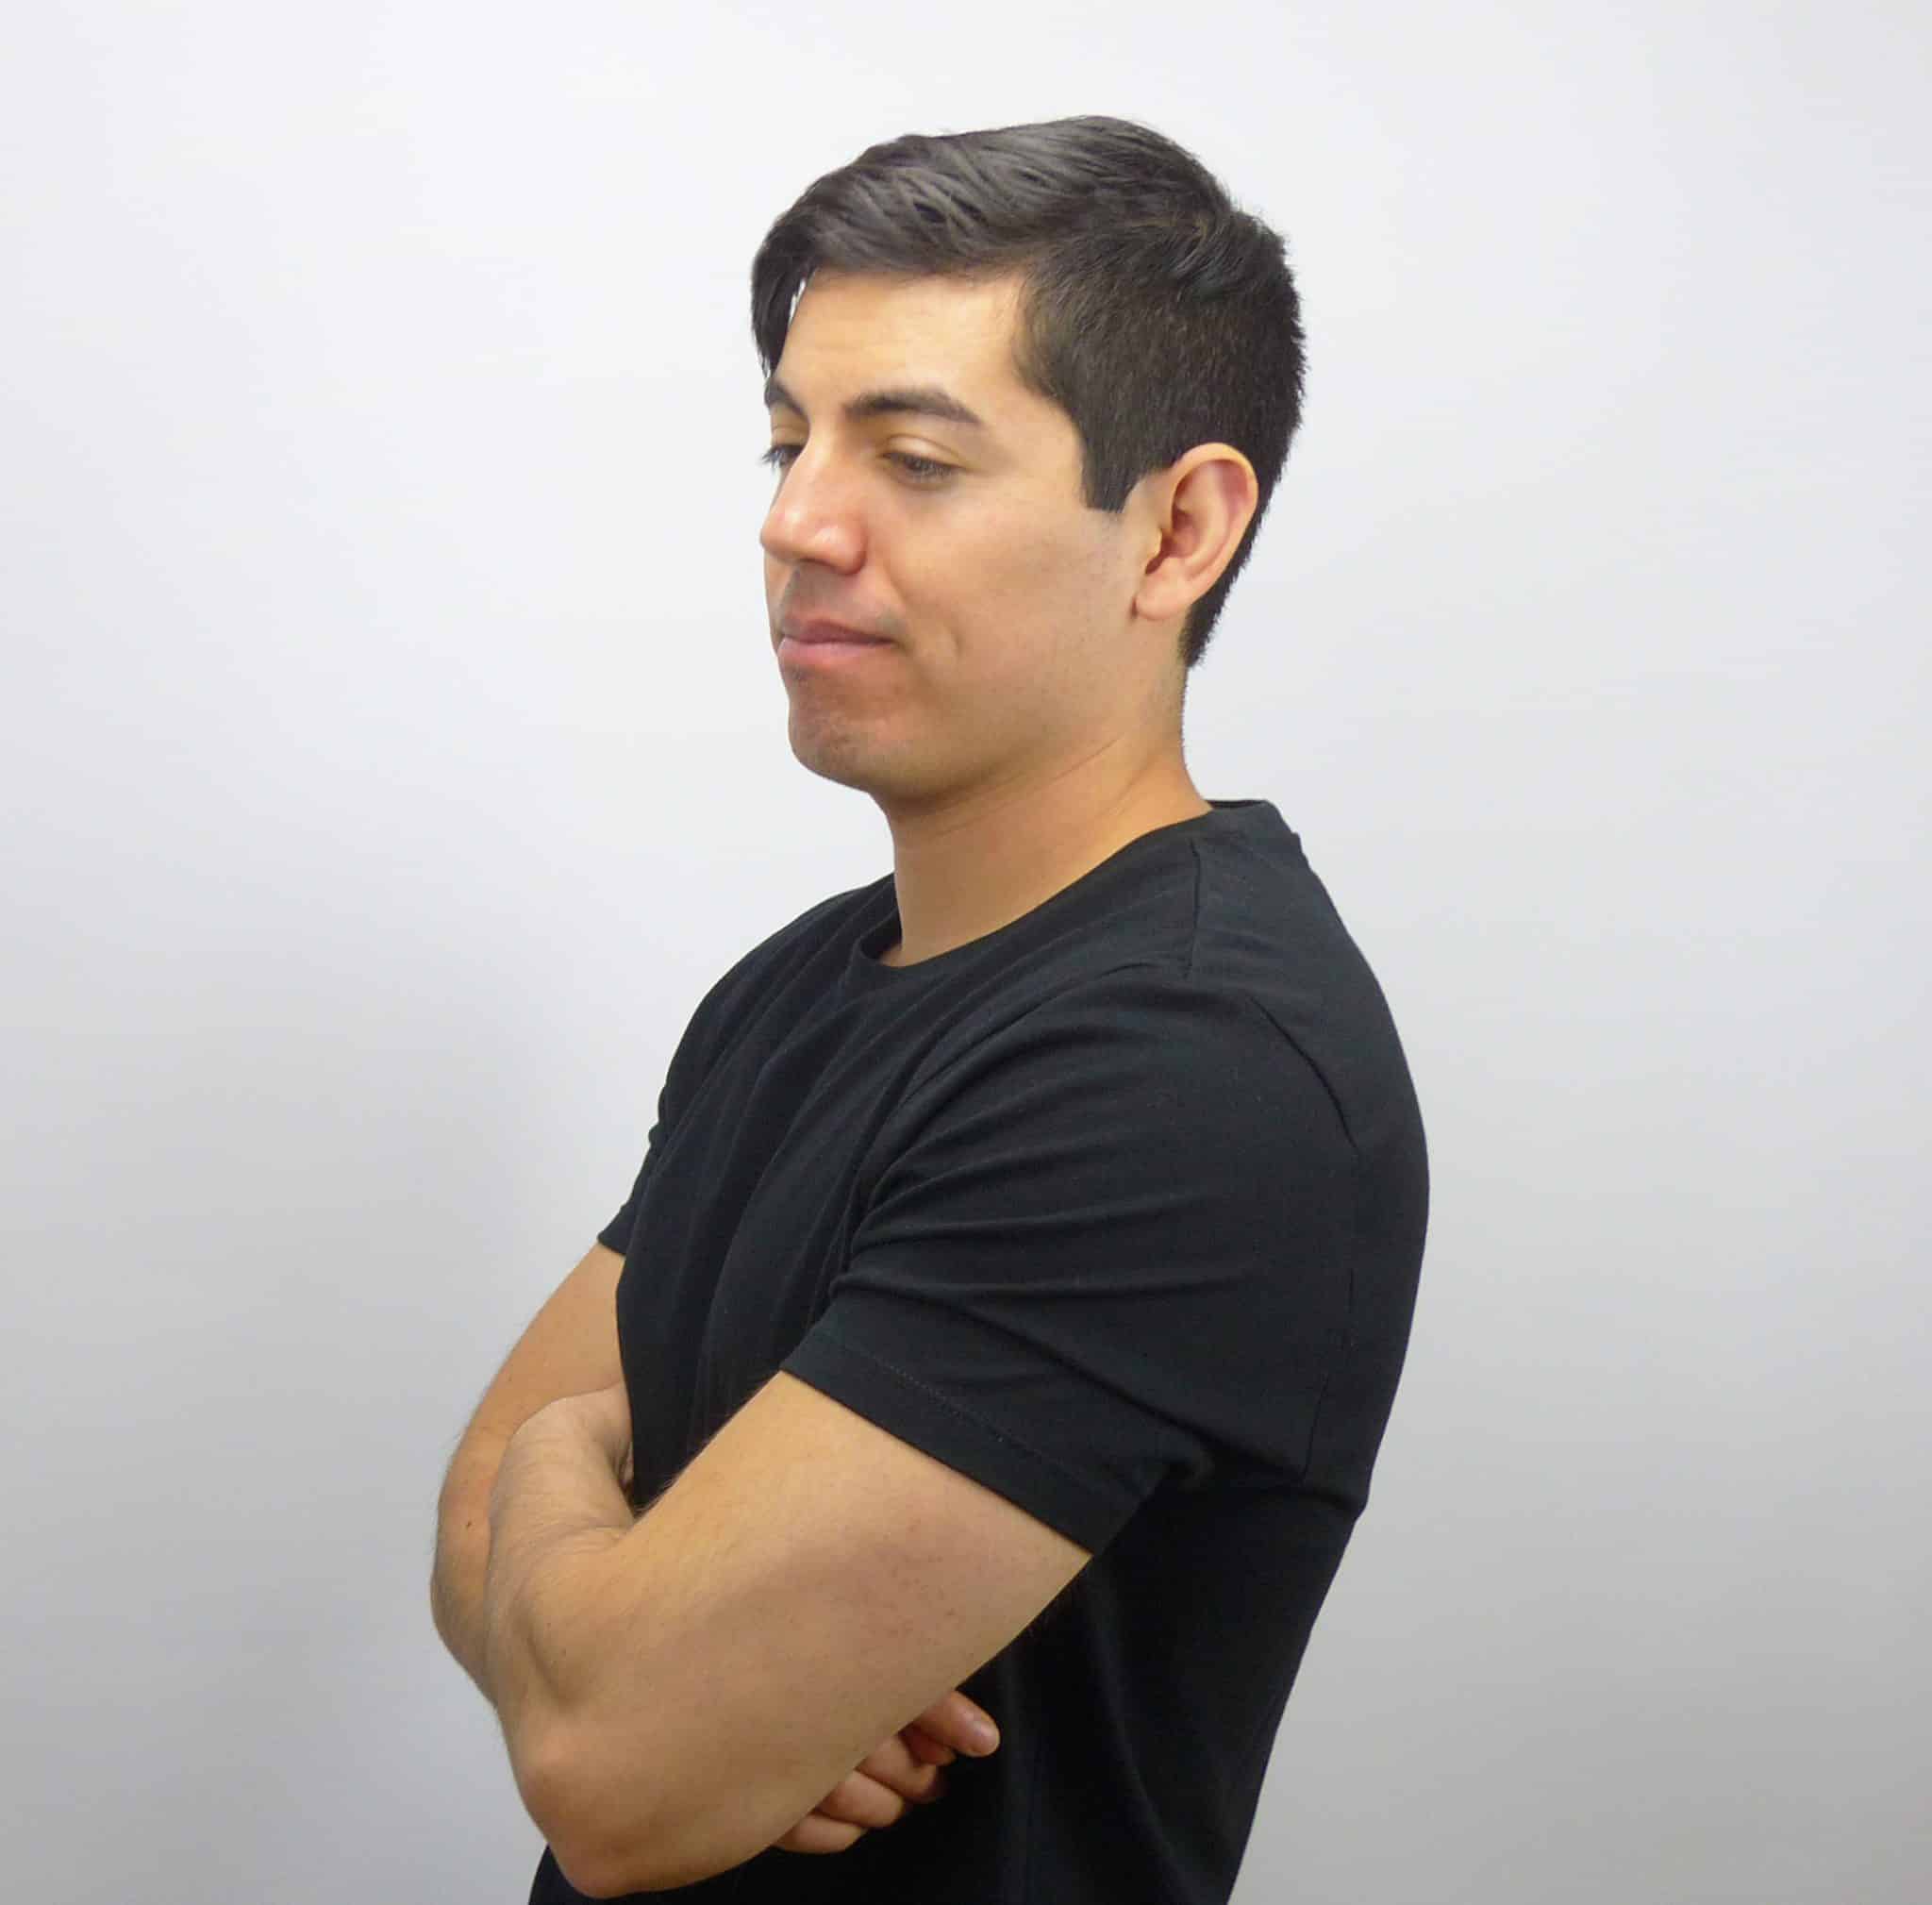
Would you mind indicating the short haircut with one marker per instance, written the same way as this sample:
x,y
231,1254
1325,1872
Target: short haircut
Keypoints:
x,y
1155,313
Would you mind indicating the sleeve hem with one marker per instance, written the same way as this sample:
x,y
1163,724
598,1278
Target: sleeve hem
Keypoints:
x,y
903,1407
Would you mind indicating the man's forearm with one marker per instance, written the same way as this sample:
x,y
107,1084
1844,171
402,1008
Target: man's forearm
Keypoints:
x,y
554,1507
462,1554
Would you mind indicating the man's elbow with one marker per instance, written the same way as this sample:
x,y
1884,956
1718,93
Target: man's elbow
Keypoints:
x,y
600,1870
597,1881
550,1780
602,1829
600,1867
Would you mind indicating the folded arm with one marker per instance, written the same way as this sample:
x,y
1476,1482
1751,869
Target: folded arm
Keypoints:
x,y
557,1503
678,1693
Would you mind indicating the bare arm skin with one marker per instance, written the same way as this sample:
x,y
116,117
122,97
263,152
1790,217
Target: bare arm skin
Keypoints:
x,y
569,1348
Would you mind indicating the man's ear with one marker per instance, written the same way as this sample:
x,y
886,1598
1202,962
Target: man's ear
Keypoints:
x,y
1211,494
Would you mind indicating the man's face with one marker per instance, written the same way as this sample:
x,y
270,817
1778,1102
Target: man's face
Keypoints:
x,y
1012,652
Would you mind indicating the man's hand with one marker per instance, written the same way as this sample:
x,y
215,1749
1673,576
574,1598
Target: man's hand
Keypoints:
x,y
905,1767
604,1416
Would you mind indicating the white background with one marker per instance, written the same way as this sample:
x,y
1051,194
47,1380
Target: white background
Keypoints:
x,y
393,754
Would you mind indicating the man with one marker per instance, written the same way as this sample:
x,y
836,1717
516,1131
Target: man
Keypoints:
x,y
1008,1308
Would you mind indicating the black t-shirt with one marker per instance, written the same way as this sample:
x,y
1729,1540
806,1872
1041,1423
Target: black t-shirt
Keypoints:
x,y
1119,1210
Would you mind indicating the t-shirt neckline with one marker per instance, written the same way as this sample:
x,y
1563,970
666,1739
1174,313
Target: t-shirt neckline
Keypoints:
x,y
881,925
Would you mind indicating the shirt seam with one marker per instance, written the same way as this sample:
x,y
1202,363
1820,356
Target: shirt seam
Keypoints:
x,y
1358,1174
1079,1483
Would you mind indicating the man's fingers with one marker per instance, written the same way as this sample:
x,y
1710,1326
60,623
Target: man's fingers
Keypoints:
x,y
923,1747
895,1766
817,1834
856,1806
861,1799
905,1768
949,1722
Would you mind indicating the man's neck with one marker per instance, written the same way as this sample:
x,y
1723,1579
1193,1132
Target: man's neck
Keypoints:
x,y
970,881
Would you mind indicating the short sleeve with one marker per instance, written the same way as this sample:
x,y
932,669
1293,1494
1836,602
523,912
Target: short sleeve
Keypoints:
x,y
1107,1249
616,1235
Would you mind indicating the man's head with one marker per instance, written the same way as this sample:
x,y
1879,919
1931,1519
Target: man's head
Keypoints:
x,y
1129,344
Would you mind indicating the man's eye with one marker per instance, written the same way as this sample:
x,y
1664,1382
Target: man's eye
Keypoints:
x,y
921,469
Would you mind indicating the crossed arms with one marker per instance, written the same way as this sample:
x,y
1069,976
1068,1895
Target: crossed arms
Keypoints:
x,y
679,1689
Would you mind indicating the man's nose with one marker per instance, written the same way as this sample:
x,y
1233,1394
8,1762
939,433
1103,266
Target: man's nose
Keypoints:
x,y
813,518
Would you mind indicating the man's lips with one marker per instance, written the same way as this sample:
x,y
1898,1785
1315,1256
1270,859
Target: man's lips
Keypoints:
x,y
806,633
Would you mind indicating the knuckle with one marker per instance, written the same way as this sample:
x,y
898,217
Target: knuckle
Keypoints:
x,y
897,1769
818,1836
864,1801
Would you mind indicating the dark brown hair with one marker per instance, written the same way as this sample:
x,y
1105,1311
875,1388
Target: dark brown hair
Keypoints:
x,y
1152,311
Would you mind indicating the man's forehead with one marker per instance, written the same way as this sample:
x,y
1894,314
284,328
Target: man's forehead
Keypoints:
x,y
873,346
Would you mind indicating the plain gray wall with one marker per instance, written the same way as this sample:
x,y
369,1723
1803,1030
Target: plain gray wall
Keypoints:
x,y
394,755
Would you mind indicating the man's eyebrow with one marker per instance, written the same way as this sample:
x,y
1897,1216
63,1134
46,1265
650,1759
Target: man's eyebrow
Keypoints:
x,y
926,400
